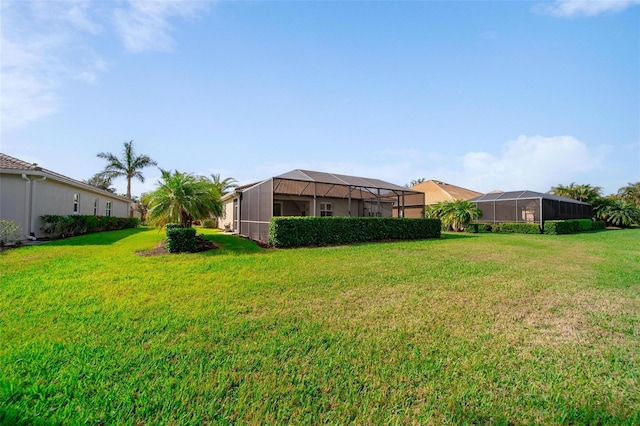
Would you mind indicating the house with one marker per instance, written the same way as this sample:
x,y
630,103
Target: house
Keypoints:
x,y
28,191
434,192
248,210
529,206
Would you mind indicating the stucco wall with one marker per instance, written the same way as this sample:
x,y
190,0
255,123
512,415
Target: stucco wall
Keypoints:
x,y
227,214
24,202
13,201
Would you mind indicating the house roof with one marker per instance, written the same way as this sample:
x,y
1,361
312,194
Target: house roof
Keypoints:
x,y
9,164
523,195
436,191
338,179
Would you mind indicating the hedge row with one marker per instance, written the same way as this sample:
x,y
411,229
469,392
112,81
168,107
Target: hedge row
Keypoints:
x,y
552,227
56,226
321,231
180,239
572,226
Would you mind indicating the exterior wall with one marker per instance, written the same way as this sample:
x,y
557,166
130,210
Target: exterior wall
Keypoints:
x,y
14,194
411,212
25,201
228,215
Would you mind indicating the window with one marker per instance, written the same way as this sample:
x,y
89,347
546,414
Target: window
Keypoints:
x,y
277,209
108,210
95,207
326,209
76,203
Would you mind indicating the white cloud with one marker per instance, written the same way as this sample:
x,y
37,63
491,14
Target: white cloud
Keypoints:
x,y
577,8
47,45
529,162
145,25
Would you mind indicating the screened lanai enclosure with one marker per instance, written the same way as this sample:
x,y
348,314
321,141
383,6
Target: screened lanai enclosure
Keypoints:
x,y
529,206
309,193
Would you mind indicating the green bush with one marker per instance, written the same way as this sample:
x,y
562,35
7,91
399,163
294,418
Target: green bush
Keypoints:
x,y
560,227
472,228
209,223
583,225
572,226
9,233
180,239
56,226
517,227
320,231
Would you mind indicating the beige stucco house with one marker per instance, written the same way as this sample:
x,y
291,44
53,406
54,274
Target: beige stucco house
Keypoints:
x,y
435,192
28,191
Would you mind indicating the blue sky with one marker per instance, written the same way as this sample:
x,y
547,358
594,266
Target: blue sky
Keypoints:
x,y
485,95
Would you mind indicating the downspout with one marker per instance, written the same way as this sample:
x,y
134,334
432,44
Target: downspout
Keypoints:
x,y
27,207
32,235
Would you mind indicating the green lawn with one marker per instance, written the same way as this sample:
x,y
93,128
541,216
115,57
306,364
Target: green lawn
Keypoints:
x,y
466,329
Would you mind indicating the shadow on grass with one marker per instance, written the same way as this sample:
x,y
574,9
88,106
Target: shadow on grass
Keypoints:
x,y
104,238
457,235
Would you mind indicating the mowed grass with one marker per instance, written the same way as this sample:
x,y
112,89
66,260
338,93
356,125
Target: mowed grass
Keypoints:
x,y
466,329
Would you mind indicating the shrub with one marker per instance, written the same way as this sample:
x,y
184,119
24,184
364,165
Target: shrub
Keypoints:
x,y
56,226
472,228
209,223
560,227
9,232
598,225
320,231
582,225
181,239
517,227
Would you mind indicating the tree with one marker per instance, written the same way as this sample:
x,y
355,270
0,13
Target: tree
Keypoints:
x,y
101,181
616,212
586,193
128,166
183,198
415,182
455,215
223,185
630,193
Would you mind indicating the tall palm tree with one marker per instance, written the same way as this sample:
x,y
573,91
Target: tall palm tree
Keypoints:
x,y
183,198
128,166
224,185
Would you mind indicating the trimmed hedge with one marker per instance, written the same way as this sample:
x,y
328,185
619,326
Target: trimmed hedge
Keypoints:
x,y
572,226
180,239
474,228
57,226
517,228
321,231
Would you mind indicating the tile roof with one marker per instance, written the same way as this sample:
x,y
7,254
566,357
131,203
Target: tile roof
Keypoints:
x,y
8,162
436,191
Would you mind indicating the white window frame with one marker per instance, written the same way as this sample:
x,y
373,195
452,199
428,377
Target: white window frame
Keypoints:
x,y
326,209
108,208
76,203
95,207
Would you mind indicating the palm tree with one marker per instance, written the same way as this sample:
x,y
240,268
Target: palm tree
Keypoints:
x,y
101,181
183,198
455,215
586,193
616,212
415,182
631,193
128,166
223,185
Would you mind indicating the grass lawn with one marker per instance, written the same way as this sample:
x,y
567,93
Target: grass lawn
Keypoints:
x,y
466,329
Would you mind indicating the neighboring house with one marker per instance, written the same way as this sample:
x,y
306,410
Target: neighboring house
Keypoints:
x,y
28,191
529,206
248,210
434,192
